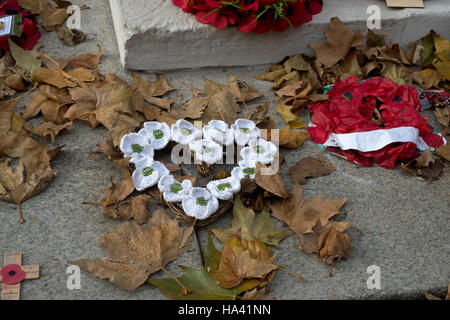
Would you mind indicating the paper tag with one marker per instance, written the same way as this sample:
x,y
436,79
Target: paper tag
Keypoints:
x,y
405,3
6,25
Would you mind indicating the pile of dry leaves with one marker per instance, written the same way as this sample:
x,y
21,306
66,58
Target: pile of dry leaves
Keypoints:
x,y
299,80
65,90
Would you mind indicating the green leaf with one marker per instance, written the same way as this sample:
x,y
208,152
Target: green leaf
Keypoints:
x,y
28,60
198,281
212,256
251,227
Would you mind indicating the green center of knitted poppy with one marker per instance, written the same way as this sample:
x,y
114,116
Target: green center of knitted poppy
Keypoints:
x,y
147,171
137,148
176,187
224,186
201,201
158,134
185,131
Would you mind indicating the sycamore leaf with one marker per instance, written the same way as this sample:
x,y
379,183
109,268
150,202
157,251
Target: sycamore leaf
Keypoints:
x,y
222,105
309,168
135,209
237,264
425,166
296,62
193,109
48,129
257,114
28,60
57,78
257,250
291,138
340,39
333,245
134,252
444,152
272,75
118,192
200,284
251,227
85,60
293,120
70,37
270,182
427,78
301,214
394,71
151,91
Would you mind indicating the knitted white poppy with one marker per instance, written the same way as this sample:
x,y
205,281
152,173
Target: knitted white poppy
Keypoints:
x,y
184,132
244,130
157,133
200,204
218,131
136,147
207,151
224,189
260,151
172,189
148,173
246,168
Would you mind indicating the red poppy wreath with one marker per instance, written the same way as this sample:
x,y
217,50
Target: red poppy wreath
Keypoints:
x,y
259,16
374,121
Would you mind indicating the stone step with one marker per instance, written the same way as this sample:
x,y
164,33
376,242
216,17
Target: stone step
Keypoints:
x,y
156,35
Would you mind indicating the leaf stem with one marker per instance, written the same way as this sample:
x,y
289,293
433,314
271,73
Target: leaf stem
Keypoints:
x,y
186,290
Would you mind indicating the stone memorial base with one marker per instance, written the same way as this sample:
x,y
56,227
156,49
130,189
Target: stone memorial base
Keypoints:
x,y
156,35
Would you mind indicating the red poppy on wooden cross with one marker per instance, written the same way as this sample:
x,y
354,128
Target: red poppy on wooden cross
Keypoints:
x,y
13,273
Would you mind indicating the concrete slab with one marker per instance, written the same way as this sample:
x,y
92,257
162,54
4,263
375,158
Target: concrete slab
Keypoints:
x,y
156,35
398,223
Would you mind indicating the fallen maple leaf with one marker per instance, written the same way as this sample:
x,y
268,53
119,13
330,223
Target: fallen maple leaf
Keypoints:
x,y
248,226
237,264
291,138
339,41
309,168
301,214
199,283
134,252
424,166
271,183
118,192
135,209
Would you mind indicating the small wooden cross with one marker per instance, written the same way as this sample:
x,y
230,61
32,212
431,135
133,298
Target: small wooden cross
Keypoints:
x,y
12,292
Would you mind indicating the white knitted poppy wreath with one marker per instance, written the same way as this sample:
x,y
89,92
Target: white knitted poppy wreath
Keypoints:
x,y
195,204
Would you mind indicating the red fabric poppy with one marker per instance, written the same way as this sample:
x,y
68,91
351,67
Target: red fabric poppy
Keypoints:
x,y
214,4
294,12
248,24
12,274
249,5
210,17
314,6
274,15
350,108
189,6
30,33
267,2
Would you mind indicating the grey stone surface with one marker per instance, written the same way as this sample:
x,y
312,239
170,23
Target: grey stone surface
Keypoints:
x,y
156,35
398,222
